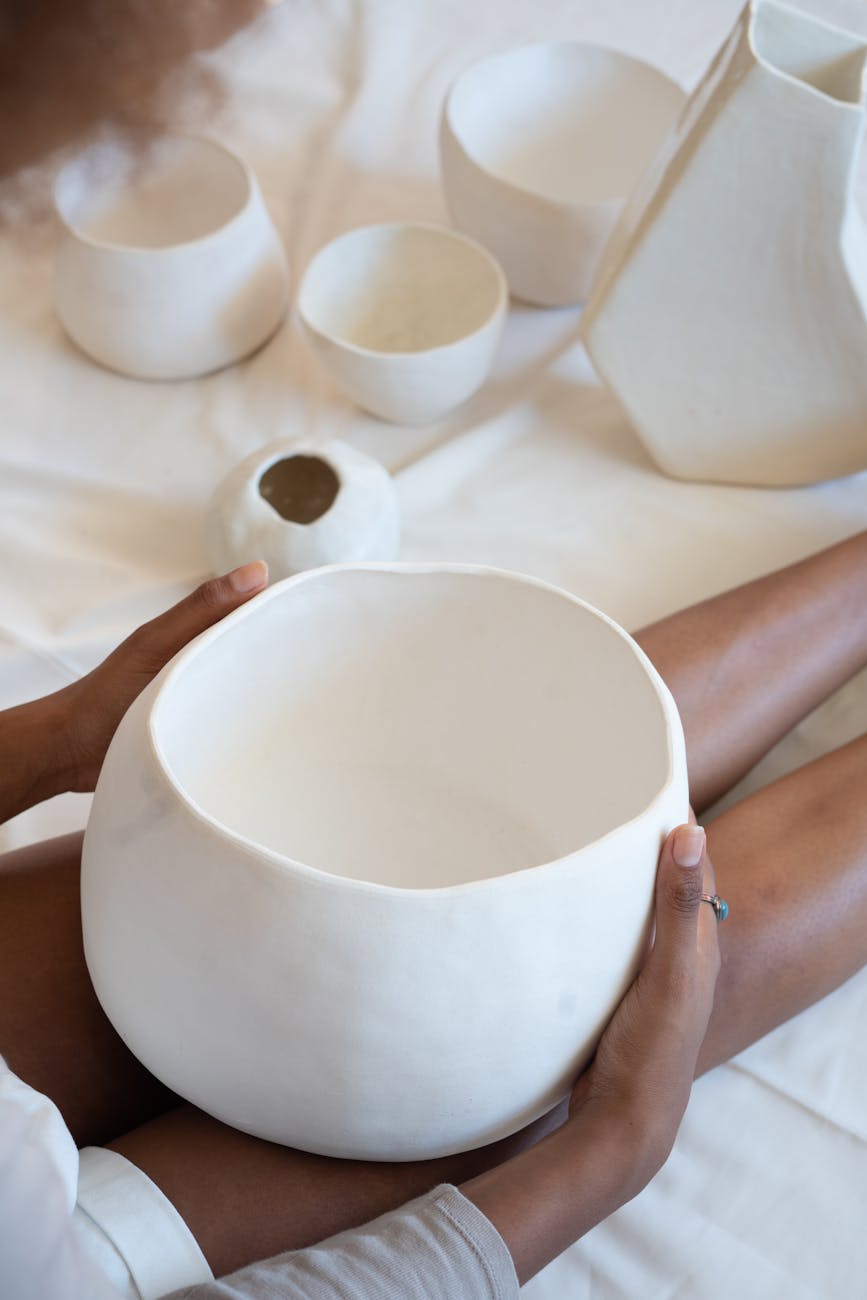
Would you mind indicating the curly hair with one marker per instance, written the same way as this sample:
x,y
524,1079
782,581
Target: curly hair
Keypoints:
x,y
69,66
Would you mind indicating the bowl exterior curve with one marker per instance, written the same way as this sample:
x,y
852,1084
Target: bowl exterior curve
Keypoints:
x,y
549,251
411,387
345,1018
176,312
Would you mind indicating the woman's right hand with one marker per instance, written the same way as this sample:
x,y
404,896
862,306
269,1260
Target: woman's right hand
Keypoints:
x,y
645,1062
627,1106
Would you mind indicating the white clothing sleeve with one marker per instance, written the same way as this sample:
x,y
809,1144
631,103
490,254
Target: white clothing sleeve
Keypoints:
x,y
40,1255
436,1248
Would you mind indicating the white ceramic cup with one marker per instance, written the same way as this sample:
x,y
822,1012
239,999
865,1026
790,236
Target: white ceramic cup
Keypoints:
x,y
371,863
540,146
168,265
406,317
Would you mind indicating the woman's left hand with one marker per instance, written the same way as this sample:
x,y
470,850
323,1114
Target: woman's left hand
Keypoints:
x,y
58,743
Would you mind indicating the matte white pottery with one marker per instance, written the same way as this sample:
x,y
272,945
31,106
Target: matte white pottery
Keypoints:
x,y
168,266
299,505
729,316
406,318
540,146
371,862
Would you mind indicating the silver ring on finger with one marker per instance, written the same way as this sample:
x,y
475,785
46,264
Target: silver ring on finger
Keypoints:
x,y
719,905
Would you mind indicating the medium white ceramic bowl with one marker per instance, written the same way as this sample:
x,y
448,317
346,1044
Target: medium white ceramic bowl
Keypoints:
x,y
540,146
371,863
168,265
405,317
298,505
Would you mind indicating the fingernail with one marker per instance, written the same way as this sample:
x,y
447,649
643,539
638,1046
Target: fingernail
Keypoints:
x,y
688,846
248,577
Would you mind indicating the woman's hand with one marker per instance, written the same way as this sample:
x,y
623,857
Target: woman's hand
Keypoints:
x,y
58,743
627,1106
645,1062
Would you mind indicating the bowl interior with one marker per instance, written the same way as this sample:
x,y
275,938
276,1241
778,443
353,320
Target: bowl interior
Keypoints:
x,y
414,728
178,190
400,288
573,123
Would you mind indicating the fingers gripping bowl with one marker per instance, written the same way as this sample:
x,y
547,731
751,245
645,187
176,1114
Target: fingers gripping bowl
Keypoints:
x,y
371,862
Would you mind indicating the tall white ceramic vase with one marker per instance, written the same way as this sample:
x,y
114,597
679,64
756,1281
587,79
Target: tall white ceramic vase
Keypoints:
x,y
730,311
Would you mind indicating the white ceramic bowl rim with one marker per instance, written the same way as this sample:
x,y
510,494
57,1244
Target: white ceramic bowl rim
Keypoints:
x,y
260,853
573,205
406,356
144,250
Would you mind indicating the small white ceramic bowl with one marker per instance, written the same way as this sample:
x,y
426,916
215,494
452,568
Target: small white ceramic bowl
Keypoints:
x,y
299,505
168,265
371,863
540,146
405,317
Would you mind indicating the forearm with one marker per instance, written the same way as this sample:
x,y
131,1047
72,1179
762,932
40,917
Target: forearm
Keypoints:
x,y
244,1199
746,666
33,761
547,1197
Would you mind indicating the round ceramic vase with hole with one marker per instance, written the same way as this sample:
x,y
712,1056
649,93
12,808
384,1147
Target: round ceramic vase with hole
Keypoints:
x,y
405,318
299,505
168,265
540,146
371,863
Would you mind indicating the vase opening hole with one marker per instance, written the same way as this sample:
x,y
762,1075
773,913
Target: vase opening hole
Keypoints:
x,y
805,48
300,488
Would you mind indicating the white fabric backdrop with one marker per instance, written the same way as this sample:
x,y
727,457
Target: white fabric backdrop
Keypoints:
x,y
103,483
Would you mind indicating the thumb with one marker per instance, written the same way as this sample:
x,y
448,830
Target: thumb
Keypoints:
x,y
678,893
155,643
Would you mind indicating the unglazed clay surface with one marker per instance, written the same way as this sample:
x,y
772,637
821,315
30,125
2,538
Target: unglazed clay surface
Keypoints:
x,y
371,863
539,177
168,266
406,318
730,312
297,505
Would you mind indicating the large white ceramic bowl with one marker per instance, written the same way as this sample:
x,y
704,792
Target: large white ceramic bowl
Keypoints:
x,y
299,505
371,863
168,265
540,146
405,317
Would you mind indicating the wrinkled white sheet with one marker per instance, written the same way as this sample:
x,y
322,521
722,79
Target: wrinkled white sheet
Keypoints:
x,y
103,483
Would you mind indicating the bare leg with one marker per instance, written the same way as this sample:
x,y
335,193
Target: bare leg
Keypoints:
x,y
53,1031
746,666
792,863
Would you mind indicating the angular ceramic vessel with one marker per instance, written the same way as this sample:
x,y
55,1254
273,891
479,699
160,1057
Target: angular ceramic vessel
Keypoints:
x,y
406,318
168,265
730,316
299,505
371,863
540,146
